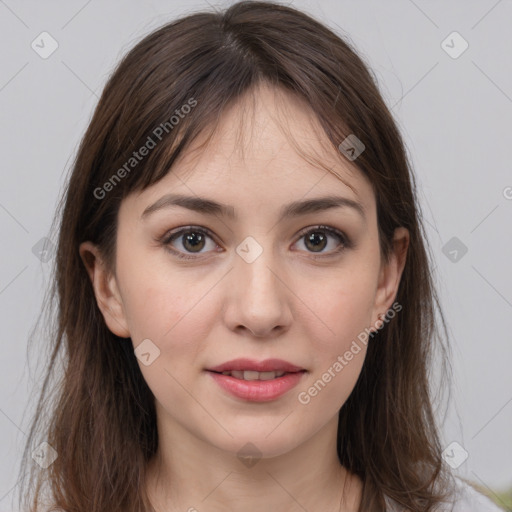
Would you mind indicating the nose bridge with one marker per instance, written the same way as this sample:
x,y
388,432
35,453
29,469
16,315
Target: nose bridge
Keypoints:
x,y
254,266
259,297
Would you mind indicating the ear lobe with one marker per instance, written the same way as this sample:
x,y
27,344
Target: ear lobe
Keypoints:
x,y
390,274
105,289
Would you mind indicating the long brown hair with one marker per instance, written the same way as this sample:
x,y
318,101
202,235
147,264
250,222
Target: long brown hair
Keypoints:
x,y
98,412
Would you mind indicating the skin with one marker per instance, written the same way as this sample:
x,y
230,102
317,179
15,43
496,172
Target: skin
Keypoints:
x,y
286,304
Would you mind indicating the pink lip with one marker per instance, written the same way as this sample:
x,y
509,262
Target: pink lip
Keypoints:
x,y
268,365
258,390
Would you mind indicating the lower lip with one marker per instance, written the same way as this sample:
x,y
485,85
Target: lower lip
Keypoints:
x,y
258,390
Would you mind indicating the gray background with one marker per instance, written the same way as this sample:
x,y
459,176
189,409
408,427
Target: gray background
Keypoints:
x,y
454,114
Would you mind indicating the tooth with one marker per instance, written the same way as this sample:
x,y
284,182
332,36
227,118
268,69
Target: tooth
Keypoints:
x,y
250,375
253,375
267,375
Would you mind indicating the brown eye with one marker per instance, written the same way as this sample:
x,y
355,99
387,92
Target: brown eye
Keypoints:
x,y
319,238
193,241
316,241
189,240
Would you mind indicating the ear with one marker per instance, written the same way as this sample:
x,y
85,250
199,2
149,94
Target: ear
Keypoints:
x,y
390,274
105,288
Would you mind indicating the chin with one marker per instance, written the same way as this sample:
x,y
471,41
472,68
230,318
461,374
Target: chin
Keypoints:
x,y
257,444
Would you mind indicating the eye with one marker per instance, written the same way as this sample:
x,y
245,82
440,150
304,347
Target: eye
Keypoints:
x,y
316,239
191,239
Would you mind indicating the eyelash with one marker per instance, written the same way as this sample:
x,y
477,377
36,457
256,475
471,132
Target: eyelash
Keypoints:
x,y
170,237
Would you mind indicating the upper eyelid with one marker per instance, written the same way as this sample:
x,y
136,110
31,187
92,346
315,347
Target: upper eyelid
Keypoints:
x,y
169,235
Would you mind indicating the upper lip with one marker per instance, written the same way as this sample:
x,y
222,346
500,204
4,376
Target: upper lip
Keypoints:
x,y
268,365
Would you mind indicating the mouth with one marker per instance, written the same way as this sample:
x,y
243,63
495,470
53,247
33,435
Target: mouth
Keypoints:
x,y
250,369
257,381
254,375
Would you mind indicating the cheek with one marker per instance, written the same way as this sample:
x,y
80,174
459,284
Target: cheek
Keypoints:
x,y
176,313
338,349
156,300
168,312
340,310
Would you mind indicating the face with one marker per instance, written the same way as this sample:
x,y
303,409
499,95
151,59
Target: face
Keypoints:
x,y
197,289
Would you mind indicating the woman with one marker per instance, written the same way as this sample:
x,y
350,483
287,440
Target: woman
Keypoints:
x,y
245,305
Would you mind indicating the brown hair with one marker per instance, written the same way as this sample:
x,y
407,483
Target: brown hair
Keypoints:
x,y
102,420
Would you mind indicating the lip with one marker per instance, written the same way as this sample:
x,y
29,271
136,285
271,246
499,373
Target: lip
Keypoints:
x,y
268,365
258,390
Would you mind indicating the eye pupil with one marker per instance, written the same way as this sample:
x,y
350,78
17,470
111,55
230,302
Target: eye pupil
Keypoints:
x,y
193,238
315,237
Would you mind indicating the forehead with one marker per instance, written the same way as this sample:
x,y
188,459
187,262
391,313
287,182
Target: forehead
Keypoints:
x,y
268,147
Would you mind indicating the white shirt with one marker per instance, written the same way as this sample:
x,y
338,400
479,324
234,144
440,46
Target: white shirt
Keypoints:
x,y
464,499
470,500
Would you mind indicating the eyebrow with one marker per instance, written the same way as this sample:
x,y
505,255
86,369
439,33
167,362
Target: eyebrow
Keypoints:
x,y
295,209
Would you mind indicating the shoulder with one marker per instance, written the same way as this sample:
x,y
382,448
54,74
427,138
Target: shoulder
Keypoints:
x,y
468,499
464,498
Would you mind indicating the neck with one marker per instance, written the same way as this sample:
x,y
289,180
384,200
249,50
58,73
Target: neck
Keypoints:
x,y
188,474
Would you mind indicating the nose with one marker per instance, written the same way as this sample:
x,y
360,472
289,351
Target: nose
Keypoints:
x,y
259,301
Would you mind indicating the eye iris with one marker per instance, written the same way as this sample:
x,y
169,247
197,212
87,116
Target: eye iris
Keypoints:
x,y
194,238
316,236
